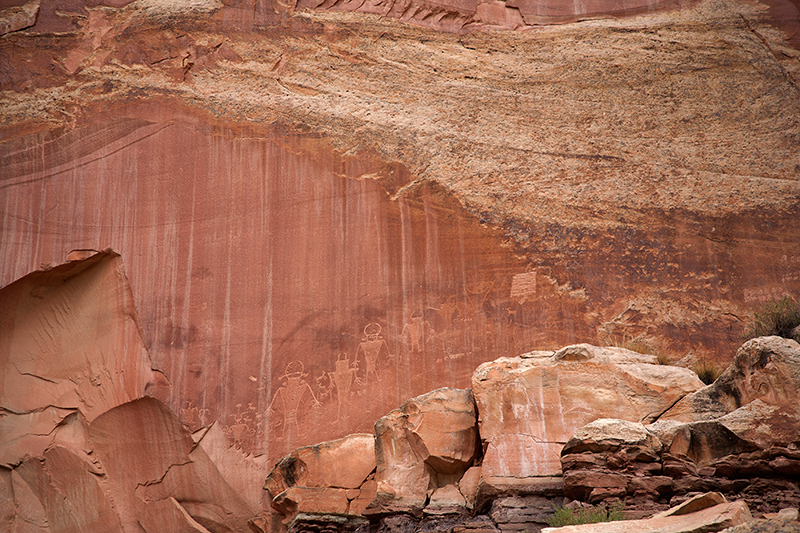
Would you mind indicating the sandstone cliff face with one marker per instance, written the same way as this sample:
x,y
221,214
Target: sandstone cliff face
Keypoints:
x,y
320,209
70,350
113,458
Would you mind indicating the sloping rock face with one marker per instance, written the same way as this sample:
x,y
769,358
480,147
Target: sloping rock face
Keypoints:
x,y
320,209
750,452
70,349
83,448
530,406
425,446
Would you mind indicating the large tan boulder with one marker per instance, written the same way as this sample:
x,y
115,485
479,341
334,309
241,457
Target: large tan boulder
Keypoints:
x,y
531,405
330,478
765,368
426,444
343,463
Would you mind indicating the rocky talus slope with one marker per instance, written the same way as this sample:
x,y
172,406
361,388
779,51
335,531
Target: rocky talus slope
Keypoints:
x,y
675,439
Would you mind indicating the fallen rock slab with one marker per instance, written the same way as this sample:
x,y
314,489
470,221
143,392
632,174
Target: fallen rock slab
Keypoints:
x,y
700,515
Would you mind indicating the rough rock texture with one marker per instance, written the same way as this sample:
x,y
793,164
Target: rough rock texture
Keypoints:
x,y
766,368
530,406
18,18
766,526
329,478
292,188
426,445
750,452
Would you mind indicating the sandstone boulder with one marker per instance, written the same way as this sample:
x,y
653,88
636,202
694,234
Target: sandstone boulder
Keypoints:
x,y
531,405
426,444
343,463
765,368
446,500
608,434
330,478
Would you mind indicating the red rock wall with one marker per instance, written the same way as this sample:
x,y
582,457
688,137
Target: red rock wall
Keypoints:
x,y
261,262
265,265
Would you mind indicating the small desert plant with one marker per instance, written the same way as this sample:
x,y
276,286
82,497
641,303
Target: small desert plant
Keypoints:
x,y
645,346
663,358
565,516
707,371
776,317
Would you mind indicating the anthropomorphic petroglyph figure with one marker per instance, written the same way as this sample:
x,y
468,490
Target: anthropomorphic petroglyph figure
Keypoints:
x,y
447,310
372,345
343,376
417,332
291,393
477,292
325,387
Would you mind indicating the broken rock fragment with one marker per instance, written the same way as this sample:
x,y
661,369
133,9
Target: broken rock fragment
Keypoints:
x,y
426,444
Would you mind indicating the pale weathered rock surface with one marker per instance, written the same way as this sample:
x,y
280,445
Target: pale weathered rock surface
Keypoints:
x,y
530,406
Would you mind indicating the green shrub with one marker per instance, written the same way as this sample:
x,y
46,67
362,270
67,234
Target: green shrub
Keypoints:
x,y
776,317
564,516
707,371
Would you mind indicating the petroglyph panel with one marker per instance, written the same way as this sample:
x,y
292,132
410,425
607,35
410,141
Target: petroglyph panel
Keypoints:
x,y
294,295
